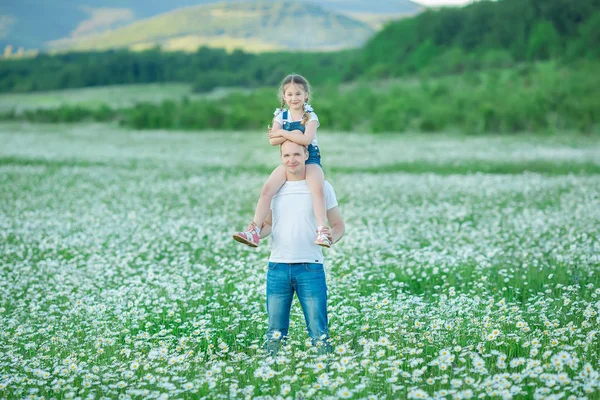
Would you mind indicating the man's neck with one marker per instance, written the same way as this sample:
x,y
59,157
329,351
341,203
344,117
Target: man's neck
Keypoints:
x,y
295,177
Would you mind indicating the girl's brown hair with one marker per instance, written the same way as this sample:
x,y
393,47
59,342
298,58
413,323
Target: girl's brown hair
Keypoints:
x,y
297,80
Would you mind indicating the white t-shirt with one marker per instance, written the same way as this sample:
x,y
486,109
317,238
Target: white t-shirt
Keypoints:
x,y
312,117
294,224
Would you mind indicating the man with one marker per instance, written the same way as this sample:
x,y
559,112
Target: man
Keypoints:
x,y
296,263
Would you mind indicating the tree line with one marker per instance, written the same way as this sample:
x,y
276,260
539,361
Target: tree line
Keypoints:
x,y
206,69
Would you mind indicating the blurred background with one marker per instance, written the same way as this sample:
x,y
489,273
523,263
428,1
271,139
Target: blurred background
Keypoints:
x,y
398,65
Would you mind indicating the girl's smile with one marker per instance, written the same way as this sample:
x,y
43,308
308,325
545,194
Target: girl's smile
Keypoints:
x,y
295,96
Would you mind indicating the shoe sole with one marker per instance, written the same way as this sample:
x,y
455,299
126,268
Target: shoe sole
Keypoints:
x,y
327,246
244,241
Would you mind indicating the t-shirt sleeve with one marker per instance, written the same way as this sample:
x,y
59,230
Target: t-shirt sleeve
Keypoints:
x,y
330,199
279,118
313,117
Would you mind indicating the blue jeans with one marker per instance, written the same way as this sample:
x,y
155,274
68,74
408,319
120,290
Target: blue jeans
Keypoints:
x,y
308,281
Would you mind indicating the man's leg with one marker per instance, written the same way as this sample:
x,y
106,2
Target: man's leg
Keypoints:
x,y
312,293
279,302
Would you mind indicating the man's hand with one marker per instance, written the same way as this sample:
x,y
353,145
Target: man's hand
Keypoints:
x,y
327,231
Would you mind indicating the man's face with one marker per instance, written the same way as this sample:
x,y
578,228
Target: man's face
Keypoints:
x,y
293,157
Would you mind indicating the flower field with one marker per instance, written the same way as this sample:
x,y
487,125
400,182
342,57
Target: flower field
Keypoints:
x,y
470,267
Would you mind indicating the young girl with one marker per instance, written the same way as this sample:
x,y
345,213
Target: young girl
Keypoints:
x,y
297,123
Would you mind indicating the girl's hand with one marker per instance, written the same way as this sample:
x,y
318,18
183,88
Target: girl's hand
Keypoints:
x,y
273,134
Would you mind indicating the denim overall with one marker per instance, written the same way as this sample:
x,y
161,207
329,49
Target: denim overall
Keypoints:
x,y
314,155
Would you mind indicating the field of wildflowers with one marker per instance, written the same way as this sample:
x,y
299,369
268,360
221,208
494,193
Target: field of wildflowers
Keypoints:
x,y
470,267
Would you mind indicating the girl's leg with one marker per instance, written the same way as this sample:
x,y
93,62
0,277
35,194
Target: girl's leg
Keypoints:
x,y
315,180
251,235
272,186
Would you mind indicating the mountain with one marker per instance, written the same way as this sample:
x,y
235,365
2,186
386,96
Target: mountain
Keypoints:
x,y
59,24
258,26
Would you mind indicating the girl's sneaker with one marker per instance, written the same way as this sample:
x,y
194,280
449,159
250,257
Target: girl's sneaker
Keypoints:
x,y
322,239
249,237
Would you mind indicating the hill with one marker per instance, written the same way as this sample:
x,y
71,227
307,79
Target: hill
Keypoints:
x,y
257,26
35,24
451,40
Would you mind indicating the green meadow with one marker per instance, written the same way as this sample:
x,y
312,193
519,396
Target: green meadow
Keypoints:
x,y
470,266
116,96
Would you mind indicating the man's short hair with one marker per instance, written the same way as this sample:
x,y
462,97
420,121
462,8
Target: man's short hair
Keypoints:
x,y
305,148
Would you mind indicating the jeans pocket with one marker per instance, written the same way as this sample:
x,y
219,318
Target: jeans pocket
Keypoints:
x,y
313,267
272,266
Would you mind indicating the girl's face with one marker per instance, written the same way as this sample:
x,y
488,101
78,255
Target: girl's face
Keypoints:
x,y
294,96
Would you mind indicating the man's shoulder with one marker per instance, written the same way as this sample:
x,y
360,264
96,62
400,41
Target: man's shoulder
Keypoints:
x,y
290,187
328,188
330,196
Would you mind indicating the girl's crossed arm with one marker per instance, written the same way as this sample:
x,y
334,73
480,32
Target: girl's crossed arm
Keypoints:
x,y
305,138
278,136
274,134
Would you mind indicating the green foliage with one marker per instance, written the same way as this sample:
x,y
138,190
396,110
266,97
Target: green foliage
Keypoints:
x,y
206,69
531,98
209,80
64,113
544,42
587,44
484,34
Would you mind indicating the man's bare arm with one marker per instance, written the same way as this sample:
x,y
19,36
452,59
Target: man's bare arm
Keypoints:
x,y
265,230
337,226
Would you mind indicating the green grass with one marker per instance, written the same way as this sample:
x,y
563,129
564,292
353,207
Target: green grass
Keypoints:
x,y
94,97
118,274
